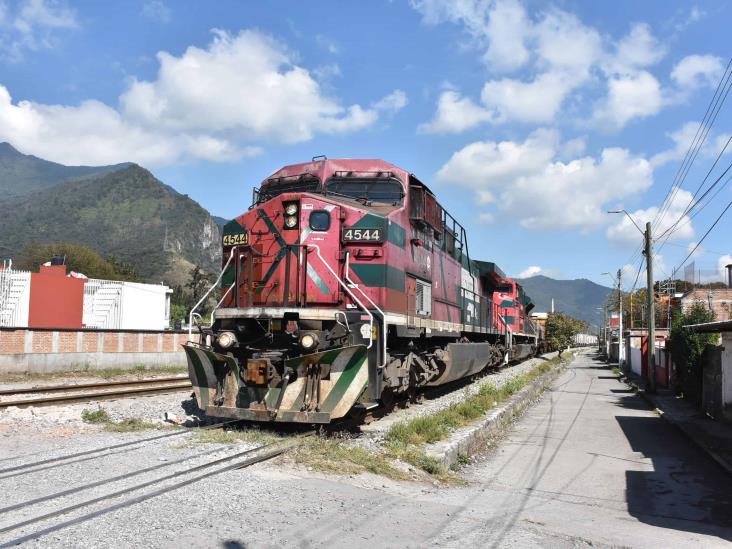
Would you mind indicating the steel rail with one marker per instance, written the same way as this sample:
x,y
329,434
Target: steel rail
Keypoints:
x,y
143,497
83,397
101,482
97,385
113,447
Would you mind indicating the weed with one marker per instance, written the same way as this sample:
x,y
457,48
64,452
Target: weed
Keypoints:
x,y
99,415
129,425
405,440
222,436
616,371
332,456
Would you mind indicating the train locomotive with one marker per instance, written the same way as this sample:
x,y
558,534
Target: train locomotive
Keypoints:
x,y
345,286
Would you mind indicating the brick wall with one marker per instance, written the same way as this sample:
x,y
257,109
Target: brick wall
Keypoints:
x,y
32,341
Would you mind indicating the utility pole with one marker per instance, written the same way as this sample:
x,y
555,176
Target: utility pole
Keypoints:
x,y
651,312
621,341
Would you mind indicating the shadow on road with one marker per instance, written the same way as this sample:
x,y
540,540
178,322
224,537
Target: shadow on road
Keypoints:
x,y
686,490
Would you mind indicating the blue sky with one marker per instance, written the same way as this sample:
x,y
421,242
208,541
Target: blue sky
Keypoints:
x,y
529,120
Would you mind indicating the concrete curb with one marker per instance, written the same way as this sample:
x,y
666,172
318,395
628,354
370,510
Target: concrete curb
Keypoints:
x,y
681,426
472,439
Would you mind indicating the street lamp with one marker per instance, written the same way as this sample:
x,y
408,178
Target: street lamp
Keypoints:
x,y
629,217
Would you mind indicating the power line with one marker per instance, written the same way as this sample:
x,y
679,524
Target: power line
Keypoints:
x,y
702,132
706,233
692,204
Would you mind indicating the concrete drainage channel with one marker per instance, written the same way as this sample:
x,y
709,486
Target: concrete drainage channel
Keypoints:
x,y
471,440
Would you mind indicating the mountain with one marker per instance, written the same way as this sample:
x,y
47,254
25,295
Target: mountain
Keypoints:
x,y
123,212
220,221
579,298
22,174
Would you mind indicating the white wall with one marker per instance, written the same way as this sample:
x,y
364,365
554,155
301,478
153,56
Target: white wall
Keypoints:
x,y
727,369
635,355
144,307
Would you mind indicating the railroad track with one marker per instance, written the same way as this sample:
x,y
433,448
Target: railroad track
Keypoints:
x,y
84,392
180,478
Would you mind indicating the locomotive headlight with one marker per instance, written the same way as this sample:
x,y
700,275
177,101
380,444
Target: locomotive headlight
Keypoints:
x,y
226,340
308,341
291,209
290,221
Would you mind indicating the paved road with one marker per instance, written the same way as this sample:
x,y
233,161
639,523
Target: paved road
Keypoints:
x,y
589,464
592,463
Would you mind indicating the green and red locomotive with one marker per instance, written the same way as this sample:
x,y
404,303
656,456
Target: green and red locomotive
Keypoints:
x,y
345,285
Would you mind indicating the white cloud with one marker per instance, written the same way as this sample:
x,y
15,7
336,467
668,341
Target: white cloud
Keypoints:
x,y
392,103
499,27
573,147
626,234
32,26
157,11
535,101
530,271
564,43
326,43
532,186
695,71
505,30
216,103
683,139
633,96
639,48
245,83
455,114
486,218
485,165
562,61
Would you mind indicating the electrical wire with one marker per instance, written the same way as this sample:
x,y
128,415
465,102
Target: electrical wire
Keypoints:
x,y
706,234
702,132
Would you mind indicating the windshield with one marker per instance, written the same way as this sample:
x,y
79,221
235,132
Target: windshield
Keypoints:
x,y
297,184
386,191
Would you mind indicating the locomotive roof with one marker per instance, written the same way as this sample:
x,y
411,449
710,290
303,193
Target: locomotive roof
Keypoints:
x,y
326,167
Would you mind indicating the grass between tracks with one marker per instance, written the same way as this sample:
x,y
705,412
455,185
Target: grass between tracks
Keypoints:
x,y
127,425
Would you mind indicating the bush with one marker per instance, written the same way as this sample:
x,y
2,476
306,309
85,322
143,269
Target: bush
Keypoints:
x,y
687,347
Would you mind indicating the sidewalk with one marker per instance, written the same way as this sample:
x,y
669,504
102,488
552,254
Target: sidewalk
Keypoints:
x,y
712,437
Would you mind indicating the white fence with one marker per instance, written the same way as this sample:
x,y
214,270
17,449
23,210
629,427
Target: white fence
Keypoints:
x,y
102,304
14,297
126,305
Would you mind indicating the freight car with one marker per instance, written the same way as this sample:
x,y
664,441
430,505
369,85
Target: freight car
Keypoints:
x,y
344,286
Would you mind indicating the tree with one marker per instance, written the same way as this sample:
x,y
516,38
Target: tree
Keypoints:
x,y
560,329
197,285
687,346
79,258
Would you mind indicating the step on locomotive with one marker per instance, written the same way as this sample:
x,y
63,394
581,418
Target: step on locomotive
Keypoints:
x,y
344,286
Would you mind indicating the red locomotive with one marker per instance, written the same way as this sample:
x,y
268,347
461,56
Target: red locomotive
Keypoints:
x,y
344,285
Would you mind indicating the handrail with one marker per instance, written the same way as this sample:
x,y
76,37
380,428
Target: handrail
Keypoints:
x,y
215,284
383,316
348,291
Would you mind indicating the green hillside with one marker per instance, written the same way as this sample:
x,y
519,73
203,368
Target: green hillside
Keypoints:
x,y
579,298
126,213
23,174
